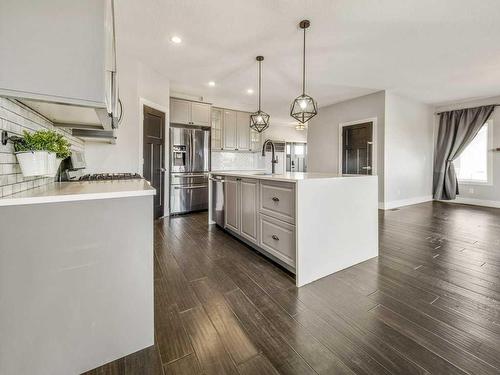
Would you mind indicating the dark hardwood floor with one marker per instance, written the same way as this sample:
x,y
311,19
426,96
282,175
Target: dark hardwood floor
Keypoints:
x,y
430,303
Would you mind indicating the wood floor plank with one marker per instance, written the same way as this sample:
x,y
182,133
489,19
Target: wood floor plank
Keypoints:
x,y
235,340
259,365
461,338
459,357
206,342
266,337
171,337
187,365
321,360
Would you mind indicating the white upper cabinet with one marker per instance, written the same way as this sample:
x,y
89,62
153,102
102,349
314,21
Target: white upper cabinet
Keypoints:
x,y
216,128
179,111
235,133
243,133
230,130
56,50
189,113
200,114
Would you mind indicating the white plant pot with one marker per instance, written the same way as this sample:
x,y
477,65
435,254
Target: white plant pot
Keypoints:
x,y
52,164
33,163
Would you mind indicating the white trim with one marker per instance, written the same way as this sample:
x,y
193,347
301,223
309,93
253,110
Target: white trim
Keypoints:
x,y
404,202
373,120
474,202
144,102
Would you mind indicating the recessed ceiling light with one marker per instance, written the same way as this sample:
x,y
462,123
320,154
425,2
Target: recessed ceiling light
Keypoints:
x,y
250,91
211,83
175,39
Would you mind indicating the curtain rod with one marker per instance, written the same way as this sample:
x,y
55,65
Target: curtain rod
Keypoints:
x,y
458,109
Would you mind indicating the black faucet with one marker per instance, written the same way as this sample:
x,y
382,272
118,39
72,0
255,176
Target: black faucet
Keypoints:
x,y
274,159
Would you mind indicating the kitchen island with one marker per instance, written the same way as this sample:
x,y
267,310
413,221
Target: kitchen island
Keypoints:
x,y
76,276
313,224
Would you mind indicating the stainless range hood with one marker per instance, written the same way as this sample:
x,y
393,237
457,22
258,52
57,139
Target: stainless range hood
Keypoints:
x,y
73,116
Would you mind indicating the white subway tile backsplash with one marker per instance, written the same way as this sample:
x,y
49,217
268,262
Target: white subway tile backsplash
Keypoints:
x,y
15,117
233,160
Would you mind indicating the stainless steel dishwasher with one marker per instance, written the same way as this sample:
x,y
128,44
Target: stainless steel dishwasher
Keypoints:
x,y
217,198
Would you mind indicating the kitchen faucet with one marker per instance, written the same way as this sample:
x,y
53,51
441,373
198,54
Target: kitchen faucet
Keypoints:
x,y
274,159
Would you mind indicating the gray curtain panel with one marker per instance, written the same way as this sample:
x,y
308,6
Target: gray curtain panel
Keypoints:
x,y
456,130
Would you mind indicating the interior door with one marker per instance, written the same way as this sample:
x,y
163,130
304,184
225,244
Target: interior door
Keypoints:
x,y
153,149
357,149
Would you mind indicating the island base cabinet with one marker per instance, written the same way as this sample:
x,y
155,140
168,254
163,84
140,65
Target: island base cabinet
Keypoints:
x,y
248,209
232,204
240,201
277,238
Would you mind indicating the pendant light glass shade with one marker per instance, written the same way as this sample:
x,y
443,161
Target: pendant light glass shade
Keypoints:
x,y
300,127
304,107
259,121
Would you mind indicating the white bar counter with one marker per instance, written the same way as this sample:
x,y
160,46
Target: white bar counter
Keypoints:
x,y
313,224
76,276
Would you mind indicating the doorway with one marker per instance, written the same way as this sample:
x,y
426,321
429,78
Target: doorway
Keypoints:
x,y
357,151
153,151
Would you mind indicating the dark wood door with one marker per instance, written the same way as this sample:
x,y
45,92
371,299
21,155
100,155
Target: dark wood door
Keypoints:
x,y
153,153
357,149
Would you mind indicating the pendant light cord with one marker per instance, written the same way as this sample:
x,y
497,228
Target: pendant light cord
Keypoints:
x,y
260,80
304,65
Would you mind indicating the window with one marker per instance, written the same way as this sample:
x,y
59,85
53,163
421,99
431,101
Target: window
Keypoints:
x,y
474,164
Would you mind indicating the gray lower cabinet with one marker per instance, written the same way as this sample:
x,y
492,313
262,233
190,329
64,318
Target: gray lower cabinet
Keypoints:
x,y
277,199
232,203
262,213
249,190
240,201
277,238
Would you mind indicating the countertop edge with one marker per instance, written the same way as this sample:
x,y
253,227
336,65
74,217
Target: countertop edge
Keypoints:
x,y
22,201
289,179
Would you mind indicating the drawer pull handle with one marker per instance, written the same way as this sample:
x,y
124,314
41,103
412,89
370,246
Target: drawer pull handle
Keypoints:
x,y
275,237
276,199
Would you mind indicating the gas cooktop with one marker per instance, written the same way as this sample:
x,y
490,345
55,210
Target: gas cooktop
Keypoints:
x,y
110,176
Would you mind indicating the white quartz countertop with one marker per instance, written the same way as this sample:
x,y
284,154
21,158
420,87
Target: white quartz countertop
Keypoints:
x,y
79,191
288,176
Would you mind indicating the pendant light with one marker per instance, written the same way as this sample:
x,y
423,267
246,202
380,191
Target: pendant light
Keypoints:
x,y
259,121
300,127
304,107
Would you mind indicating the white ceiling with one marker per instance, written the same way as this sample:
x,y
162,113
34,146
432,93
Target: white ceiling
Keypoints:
x,y
435,51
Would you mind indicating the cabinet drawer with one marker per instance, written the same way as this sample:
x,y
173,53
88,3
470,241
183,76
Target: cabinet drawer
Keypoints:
x,y
277,199
278,238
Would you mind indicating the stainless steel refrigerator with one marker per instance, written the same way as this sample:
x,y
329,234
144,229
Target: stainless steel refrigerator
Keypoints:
x,y
189,167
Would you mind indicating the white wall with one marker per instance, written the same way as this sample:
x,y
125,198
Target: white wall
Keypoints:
x,y
136,82
474,193
284,133
408,156
323,133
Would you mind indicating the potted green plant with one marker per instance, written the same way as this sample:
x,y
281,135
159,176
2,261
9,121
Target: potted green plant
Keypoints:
x,y
37,152
61,148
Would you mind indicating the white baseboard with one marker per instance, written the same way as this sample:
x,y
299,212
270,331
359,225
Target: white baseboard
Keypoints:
x,y
404,202
475,202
